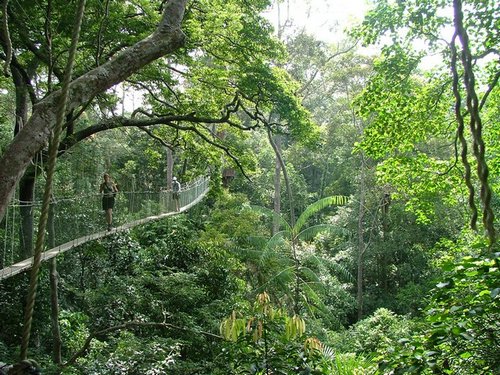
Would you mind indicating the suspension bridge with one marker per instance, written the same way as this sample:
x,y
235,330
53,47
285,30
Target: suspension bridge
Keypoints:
x,y
80,219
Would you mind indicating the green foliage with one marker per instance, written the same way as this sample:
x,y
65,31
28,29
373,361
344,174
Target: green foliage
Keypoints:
x,y
285,252
268,340
6,109
408,131
167,277
74,330
162,355
425,183
231,222
379,331
492,141
349,364
460,330
399,20
191,272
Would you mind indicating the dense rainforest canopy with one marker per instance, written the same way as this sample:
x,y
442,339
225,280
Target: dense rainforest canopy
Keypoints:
x,y
351,223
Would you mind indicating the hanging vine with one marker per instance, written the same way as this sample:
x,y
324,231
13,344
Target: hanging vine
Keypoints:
x,y
53,148
475,124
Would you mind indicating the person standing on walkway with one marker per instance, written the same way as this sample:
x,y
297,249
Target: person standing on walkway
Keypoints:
x,y
176,191
108,189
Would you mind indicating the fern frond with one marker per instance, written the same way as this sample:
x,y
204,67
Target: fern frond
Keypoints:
x,y
258,241
310,232
278,239
271,214
327,352
314,208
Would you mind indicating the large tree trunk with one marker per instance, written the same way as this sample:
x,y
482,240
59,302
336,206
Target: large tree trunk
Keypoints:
x,y
166,39
296,260
279,158
27,184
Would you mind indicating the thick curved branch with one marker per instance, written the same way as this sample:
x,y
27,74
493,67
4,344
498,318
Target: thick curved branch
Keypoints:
x,y
486,53
171,121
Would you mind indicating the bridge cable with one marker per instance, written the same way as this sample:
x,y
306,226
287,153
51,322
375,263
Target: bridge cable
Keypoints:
x,y
53,148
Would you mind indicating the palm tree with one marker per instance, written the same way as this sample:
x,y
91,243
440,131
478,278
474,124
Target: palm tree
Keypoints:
x,y
281,259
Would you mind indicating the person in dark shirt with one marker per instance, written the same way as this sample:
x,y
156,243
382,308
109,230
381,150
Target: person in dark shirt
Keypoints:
x,y
108,189
176,190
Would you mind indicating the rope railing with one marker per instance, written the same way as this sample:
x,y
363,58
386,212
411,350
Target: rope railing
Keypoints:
x,y
80,219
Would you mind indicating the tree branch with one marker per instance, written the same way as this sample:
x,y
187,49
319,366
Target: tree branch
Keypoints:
x,y
338,53
154,136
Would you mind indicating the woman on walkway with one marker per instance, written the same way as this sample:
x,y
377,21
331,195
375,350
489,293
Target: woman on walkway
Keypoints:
x,y
108,189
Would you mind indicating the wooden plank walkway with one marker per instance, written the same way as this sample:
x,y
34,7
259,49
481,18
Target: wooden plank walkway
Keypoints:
x,y
49,254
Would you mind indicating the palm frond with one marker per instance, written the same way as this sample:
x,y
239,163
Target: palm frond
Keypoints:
x,y
245,253
269,257
312,300
258,242
318,206
310,232
310,275
327,352
282,279
328,265
271,214
278,239
340,270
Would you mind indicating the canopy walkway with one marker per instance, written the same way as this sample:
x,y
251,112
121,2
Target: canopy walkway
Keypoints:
x,y
80,219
